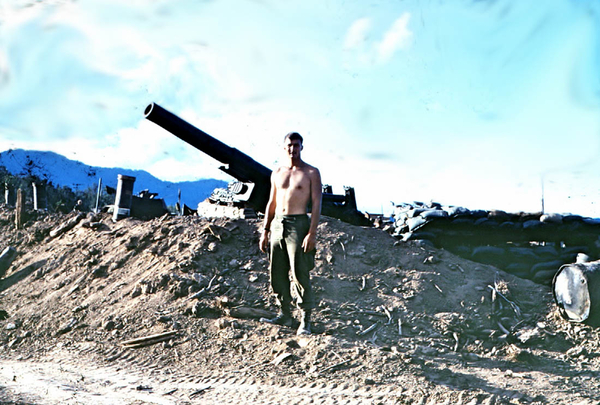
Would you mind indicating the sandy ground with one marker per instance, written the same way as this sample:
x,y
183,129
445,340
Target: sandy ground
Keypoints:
x,y
395,323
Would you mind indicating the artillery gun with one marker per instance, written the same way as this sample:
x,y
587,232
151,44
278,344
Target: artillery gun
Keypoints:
x,y
253,179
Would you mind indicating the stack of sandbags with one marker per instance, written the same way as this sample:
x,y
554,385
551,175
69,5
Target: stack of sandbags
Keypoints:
x,y
530,245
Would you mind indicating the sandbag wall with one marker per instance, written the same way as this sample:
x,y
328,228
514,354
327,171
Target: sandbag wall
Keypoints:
x,y
529,245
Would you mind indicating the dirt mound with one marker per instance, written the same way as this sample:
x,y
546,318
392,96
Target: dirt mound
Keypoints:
x,y
405,320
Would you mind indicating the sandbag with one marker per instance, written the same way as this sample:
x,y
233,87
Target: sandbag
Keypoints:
x,y
498,215
518,269
533,224
496,256
416,223
415,212
544,266
456,211
524,253
552,218
434,214
479,214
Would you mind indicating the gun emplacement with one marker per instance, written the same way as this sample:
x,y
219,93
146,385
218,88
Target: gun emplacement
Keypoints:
x,y
247,170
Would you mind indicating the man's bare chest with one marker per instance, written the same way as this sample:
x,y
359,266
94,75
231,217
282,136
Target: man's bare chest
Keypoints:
x,y
294,180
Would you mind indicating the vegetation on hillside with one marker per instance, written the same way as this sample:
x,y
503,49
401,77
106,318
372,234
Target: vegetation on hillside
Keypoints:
x,y
54,198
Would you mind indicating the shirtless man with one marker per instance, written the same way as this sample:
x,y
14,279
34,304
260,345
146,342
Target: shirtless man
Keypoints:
x,y
293,234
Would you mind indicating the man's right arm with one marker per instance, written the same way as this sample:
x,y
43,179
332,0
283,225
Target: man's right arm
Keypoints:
x,y
269,215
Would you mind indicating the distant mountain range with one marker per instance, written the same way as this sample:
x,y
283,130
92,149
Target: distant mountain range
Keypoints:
x,y
61,171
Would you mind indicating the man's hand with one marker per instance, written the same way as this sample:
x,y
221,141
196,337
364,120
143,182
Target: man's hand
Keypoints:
x,y
309,242
264,241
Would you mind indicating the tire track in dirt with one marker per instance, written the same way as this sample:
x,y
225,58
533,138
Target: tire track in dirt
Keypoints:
x,y
58,383
79,375
160,382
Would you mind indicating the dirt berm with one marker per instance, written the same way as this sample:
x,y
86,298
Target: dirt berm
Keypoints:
x,y
395,322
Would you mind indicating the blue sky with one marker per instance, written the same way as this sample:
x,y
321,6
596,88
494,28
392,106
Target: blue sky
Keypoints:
x,y
472,103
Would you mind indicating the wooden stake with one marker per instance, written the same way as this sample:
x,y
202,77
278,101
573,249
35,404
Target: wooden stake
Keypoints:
x,y
20,210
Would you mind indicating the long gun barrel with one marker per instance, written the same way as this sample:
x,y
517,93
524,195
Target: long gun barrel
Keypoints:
x,y
237,164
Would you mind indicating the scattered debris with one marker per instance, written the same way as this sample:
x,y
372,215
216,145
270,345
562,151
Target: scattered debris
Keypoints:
x,y
281,358
341,363
200,391
67,226
369,329
249,313
7,256
148,340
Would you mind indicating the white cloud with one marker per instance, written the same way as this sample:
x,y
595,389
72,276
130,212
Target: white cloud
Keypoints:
x,y
357,33
396,38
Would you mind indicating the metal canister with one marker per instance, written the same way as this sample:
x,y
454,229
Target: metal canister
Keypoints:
x,y
576,289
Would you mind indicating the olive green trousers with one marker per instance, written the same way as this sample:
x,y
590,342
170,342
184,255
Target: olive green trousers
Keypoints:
x,y
290,266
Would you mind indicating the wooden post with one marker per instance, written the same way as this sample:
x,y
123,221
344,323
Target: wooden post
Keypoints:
x,y
20,210
98,193
35,196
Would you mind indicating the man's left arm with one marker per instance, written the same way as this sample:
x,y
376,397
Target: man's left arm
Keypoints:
x,y
316,190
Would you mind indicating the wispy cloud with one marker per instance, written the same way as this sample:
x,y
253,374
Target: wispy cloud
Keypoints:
x,y
396,38
359,39
357,33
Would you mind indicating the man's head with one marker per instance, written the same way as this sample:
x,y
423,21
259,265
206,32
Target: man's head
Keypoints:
x,y
292,143
292,136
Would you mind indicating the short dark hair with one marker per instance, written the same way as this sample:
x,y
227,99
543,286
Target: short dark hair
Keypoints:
x,y
292,136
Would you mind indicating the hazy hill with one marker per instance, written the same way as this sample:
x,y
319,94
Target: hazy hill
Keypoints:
x,y
61,171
